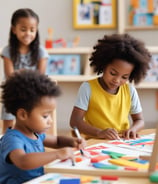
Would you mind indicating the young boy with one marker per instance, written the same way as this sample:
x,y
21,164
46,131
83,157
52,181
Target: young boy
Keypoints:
x,y
31,98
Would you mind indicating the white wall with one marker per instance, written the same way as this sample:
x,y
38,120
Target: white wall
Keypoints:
x,y
148,98
53,13
58,15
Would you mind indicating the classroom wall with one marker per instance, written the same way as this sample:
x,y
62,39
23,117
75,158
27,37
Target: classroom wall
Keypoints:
x,y
53,13
58,15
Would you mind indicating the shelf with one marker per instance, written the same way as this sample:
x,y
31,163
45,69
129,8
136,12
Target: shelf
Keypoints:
x,y
140,28
87,75
82,78
72,78
153,49
147,85
74,50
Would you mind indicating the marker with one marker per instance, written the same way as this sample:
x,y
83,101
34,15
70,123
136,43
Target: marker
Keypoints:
x,y
109,177
79,137
73,162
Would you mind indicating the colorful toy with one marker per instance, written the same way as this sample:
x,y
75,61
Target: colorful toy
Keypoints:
x,y
49,40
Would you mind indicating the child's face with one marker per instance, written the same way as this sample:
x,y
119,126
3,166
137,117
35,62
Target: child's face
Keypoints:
x,y
40,118
116,74
25,30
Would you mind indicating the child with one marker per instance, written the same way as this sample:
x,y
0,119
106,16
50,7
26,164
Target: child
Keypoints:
x,y
104,104
23,50
22,153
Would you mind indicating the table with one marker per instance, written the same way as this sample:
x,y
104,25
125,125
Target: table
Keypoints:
x,y
142,177
121,180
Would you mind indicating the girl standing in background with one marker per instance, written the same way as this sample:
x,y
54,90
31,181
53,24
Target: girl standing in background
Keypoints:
x,y
23,51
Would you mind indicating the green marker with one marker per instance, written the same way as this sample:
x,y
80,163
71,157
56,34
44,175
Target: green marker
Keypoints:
x,y
104,166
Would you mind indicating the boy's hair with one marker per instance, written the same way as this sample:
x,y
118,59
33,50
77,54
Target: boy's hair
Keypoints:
x,y
124,47
14,42
25,89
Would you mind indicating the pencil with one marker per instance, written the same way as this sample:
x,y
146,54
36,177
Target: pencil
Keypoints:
x,y
79,137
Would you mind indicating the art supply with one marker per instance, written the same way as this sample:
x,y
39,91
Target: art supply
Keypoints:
x,y
112,178
79,137
99,158
70,181
154,177
100,163
113,154
123,162
73,162
104,166
49,40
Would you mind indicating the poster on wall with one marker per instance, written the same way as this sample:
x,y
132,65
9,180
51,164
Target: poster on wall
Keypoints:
x,y
152,74
94,14
63,65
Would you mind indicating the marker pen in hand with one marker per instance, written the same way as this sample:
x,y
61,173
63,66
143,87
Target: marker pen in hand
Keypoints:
x,y
73,162
79,137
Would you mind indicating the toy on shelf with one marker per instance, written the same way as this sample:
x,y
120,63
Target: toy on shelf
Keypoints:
x,y
49,40
76,41
60,42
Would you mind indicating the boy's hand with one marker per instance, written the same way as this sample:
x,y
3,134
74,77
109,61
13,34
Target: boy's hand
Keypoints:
x,y
65,153
67,141
79,143
109,133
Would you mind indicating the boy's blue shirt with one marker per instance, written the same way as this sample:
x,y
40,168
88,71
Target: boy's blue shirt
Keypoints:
x,y
13,139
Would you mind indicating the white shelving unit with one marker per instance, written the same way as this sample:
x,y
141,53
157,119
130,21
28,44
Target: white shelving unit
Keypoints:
x,y
87,71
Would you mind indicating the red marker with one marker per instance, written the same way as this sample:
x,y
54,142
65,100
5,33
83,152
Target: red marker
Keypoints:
x,y
109,177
